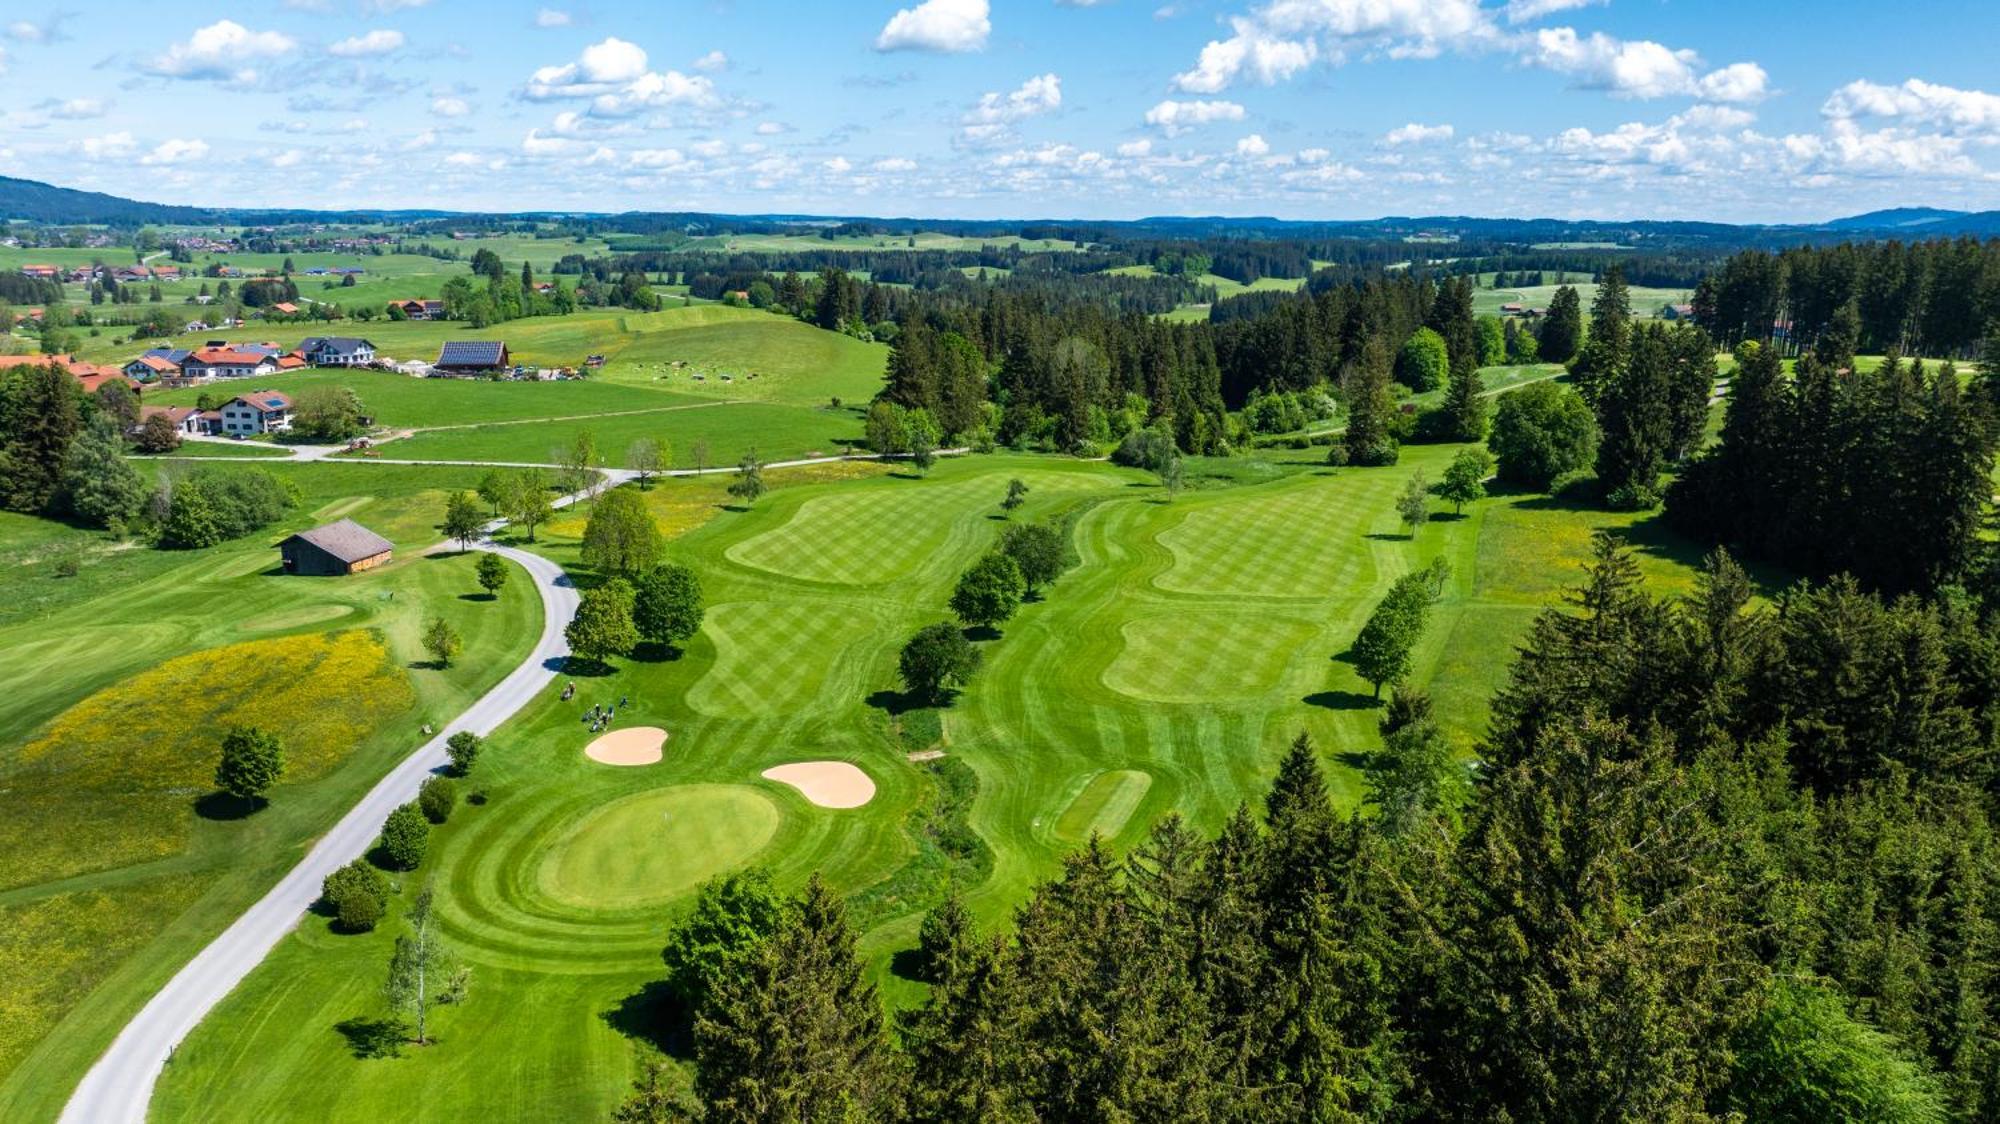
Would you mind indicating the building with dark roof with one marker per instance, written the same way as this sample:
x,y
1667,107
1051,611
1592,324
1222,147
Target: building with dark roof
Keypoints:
x,y
471,357
339,548
337,351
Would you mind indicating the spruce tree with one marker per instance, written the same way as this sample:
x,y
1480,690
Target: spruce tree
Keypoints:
x,y
1366,388
796,1032
1465,403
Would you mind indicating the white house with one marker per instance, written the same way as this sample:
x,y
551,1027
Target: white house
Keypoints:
x,y
260,411
226,363
337,351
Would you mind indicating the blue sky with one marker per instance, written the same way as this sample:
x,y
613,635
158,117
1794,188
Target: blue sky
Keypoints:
x,y
1746,110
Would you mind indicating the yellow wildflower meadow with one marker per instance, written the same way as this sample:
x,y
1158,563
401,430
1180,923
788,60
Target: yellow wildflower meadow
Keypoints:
x,y
113,780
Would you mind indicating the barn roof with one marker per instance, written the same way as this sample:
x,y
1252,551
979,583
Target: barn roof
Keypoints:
x,y
472,353
346,540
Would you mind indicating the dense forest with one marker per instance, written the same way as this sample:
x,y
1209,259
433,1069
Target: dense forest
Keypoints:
x,y
1931,298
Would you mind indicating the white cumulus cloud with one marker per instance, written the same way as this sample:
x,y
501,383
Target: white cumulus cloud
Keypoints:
x,y
176,151
937,25
1640,68
1177,117
447,106
377,42
1253,145
552,17
614,74
994,117
222,51
1414,133
1918,102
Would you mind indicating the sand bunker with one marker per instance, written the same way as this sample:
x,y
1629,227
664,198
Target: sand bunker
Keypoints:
x,y
829,784
637,745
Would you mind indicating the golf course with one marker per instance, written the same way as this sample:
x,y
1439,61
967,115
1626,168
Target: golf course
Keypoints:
x,y
1163,672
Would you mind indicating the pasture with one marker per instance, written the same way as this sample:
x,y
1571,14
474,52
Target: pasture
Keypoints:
x,y
121,677
1165,672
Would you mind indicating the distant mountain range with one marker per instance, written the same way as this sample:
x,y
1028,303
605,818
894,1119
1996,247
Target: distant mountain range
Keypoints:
x,y
33,201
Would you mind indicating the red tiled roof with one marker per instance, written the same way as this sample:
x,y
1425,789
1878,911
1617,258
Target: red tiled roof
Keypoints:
x,y
211,356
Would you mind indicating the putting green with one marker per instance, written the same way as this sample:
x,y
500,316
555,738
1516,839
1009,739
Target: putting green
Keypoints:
x,y
1296,543
774,658
906,527
656,845
1104,805
1205,656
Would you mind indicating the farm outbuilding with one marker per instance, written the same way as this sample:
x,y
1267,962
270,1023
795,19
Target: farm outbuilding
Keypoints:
x,y
471,357
339,548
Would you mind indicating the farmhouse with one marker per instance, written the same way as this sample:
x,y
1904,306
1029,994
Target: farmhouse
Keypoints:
x,y
337,351
220,361
260,411
420,309
185,419
471,357
153,365
339,548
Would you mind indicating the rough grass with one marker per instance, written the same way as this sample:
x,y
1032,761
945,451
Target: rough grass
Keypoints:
x,y
1181,650
118,679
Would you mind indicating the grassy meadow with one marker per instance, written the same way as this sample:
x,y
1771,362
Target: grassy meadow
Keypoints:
x,y
1165,672
122,676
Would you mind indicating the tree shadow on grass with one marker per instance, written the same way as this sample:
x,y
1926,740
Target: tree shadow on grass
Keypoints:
x,y
478,597
583,667
908,963
1450,517
1356,760
1342,700
653,651
656,1016
223,807
978,632
898,703
426,665
373,1038
1387,537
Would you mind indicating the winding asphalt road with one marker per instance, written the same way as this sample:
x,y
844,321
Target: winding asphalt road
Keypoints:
x,y
119,1087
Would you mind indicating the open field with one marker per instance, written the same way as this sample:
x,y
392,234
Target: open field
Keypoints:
x,y
1646,302
809,240
120,680
649,387
1165,672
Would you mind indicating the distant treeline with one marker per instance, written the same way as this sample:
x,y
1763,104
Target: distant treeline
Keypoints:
x,y
1934,298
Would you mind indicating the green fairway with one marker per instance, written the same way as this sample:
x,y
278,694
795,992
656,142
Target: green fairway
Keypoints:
x,y
1166,672
121,679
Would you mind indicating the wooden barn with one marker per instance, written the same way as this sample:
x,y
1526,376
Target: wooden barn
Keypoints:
x,y
339,548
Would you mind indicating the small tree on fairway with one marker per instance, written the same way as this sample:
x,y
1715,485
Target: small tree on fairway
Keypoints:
x,y
621,537
251,762
492,572
1414,504
462,518
358,895
442,641
646,457
1172,475
579,461
667,606
437,798
989,592
923,451
463,750
1465,479
749,482
1038,550
406,835
698,450
1017,494
1382,651
937,659
420,967
602,627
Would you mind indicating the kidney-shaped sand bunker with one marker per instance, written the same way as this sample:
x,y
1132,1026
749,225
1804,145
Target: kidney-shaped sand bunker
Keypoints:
x,y
829,784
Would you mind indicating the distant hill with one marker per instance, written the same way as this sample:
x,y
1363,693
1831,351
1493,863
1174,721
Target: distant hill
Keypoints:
x,y
47,203
41,202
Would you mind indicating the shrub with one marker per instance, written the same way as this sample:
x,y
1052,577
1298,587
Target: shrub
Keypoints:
x,y
406,835
1423,362
358,895
1144,448
437,799
463,749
